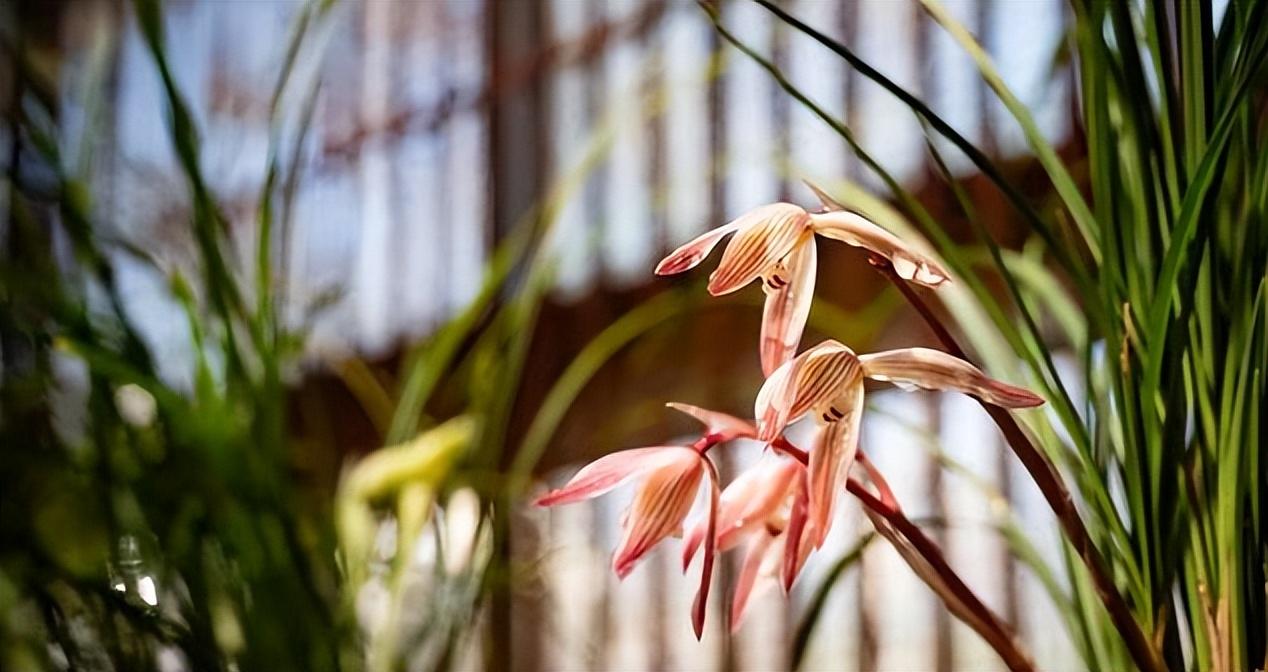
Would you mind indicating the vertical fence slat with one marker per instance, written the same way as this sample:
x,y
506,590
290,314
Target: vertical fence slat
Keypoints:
x,y
816,149
750,164
973,547
375,188
686,62
466,180
570,123
627,239
903,606
887,128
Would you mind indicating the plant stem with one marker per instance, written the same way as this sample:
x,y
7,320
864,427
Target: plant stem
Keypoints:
x,y
1045,475
992,629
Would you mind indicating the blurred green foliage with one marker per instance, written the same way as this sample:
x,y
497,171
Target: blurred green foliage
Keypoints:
x,y
141,517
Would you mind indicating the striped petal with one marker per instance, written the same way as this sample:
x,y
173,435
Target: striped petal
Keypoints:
x,y
753,497
610,471
815,376
830,460
690,255
721,426
854,229
746,504
789,291
765,236
936,370
661,503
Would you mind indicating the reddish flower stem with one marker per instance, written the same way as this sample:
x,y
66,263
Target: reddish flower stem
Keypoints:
x,y
998,635
995,632
786,447
1046,476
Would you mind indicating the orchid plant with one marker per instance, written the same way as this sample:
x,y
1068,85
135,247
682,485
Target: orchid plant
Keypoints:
x,y
781,509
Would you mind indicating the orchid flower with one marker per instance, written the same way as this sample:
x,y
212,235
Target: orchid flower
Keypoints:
x,y
776,243
764,504
763,497
670,480
826,382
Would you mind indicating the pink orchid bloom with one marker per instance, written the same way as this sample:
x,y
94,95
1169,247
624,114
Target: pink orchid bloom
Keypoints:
x,y
826,382
764,564
776,243
748,503
765,504
671,478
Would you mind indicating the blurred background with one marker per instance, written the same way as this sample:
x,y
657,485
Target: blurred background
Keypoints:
x,y
421,137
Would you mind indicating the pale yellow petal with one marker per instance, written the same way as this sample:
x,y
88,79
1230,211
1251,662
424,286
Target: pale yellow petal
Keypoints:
x,y
833,453
936,370
854,229
789,291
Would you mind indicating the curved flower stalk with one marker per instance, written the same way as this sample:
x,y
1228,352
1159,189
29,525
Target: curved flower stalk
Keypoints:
x,y
826,383
670,482
776,243
928,563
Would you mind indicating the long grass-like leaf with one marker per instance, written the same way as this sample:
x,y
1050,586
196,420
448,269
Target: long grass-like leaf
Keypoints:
x,y
1044,151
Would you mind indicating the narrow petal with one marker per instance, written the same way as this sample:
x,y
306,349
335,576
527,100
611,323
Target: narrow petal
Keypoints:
x,y
691,542
831,458
854,229
806,381
789,292
774,402
795,551
660,505
610,471
826,200
936,370
752,497
699,606
690,255
765,235
721,426
748,578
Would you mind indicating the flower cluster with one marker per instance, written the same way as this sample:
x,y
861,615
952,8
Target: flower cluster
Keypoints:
x,y
781,509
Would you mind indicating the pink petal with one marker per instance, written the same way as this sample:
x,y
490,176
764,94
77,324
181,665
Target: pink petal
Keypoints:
x,y
748,577
752,497
808,380
795,551
691,543
691,254
831,458
700,605
854,229
766,235
720,425
661,503
936,370
610,471
773,405
787,306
